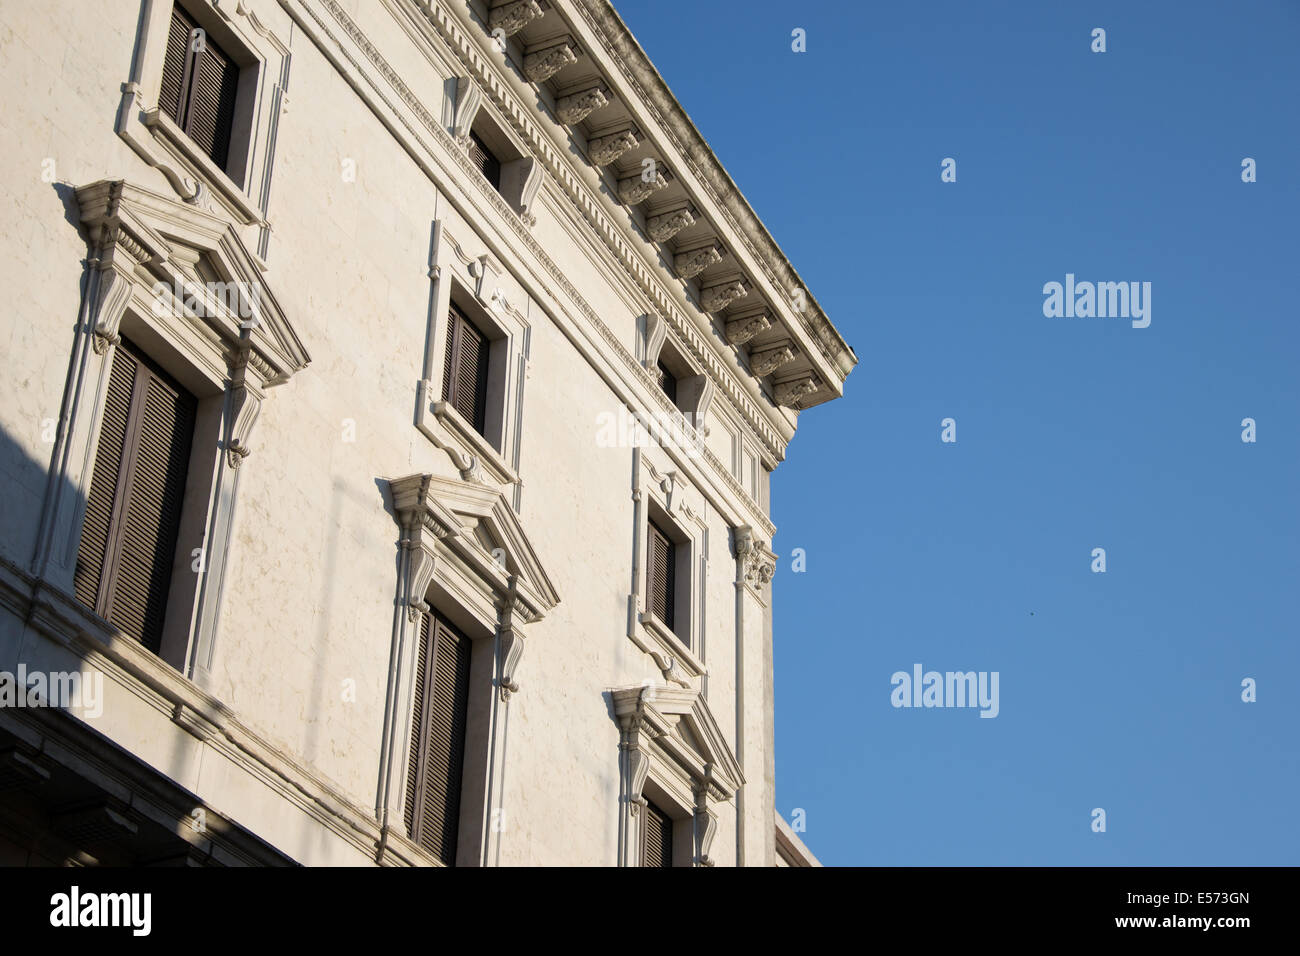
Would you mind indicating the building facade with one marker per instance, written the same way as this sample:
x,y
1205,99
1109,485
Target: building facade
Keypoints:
x,y
393,391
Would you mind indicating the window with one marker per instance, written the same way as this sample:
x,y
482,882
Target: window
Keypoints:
x,y
200,82
444,746
133,507
658,849
465,370
661,574
441,704
483,158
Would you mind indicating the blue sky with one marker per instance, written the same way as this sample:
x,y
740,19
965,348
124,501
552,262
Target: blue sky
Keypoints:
x,y
1119,690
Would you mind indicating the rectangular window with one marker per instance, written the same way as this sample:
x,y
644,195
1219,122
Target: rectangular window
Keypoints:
x,y
661,572
465,371
487,163
199,85
133,506
441,703
658,851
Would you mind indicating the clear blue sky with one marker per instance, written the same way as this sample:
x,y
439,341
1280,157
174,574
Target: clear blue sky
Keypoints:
x,y
1119,690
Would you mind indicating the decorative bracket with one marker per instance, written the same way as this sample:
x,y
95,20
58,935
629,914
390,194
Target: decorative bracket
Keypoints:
x,y
790,393
692,262
510,18
574,108
717,297
469,97
741,330
546,62
768,360
603,150
664,226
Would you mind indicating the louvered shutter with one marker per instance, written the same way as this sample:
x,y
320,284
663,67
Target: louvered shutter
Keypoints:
x,y
176,66
660,571
465,370
442,704
482,157
419,715
104,480
198,89
658,849
668,383
212,102
147,468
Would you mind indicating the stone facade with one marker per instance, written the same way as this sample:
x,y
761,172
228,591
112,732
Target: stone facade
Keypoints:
x,y
334,497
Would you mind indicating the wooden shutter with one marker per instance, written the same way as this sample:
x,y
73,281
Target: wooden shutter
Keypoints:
x,y
176,66
465,369
668,382
212,102
133,506
419,715
482,157
660,572
102,493
199,89
658,849
438,738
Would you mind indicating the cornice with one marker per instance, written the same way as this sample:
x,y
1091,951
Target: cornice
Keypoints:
x,y
692,152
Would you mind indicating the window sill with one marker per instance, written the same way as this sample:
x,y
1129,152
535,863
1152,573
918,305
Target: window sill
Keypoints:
x,y
475,443
160,124
670,644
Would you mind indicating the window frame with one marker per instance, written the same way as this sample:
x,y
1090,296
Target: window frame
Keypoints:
x,y
444,564
123,498
465,275
674,755
145,249
664,499
239,188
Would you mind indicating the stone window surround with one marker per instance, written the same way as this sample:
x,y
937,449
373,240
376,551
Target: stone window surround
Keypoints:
x,y
475,284
660,495
656,764
263,58
694,389
492,599
139,241
521,174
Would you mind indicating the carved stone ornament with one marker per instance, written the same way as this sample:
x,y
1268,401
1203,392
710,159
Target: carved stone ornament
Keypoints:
x,y
510,18
790,393
692,262
469,97
544,64
718,297
635,189
663,227
768,360
512,652
244,405
668,667
706,826
740,331
755,563
656,330
603,150
575,107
